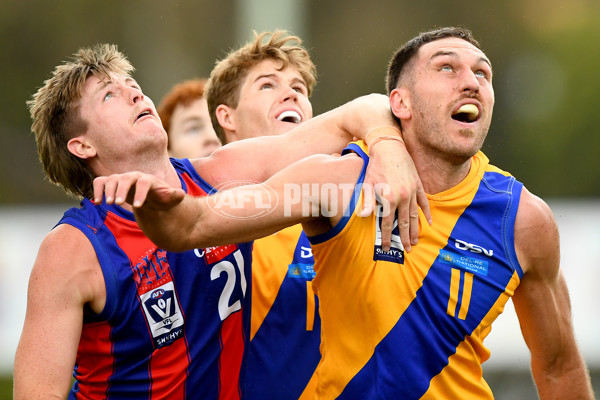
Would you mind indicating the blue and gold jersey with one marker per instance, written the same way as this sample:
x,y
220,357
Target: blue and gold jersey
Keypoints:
x,y
285,327
401,325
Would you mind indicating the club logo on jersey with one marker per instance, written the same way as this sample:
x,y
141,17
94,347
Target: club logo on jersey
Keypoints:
x,y
469,264
157,296
462,245
151,267
396,252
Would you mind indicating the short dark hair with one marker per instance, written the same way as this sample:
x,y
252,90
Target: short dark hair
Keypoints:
x,y
406,52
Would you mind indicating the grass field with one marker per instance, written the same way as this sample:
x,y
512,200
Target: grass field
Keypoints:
x,y
5,387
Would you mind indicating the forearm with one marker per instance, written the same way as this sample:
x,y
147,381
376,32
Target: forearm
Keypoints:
x,y
568,379
353,120
36,387
176,228
327,133
35,379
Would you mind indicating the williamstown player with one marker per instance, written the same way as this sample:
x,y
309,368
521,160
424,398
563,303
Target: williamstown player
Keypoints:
x,y
411,325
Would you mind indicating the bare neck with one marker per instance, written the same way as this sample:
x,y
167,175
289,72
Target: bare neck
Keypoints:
x,y
159,167
440,173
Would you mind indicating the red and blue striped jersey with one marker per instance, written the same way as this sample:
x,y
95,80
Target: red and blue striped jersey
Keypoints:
x,y
172,324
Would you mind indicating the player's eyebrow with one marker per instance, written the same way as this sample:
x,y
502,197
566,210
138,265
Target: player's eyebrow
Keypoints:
x,y
453,54
106,82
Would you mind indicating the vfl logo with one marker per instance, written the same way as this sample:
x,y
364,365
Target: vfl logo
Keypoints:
x,y
163,314
462,245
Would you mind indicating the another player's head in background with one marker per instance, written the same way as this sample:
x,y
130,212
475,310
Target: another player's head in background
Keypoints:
x,y
184,114
263,88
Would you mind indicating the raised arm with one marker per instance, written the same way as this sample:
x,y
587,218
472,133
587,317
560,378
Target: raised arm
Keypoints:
x,y
543,306
329,133
65,276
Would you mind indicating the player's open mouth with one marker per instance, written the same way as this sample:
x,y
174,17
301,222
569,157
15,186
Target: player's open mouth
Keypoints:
x,y
290,116
143,114
466,113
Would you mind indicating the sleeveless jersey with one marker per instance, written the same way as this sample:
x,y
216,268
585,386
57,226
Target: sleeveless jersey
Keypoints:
x,y
400,325
172,324
285,330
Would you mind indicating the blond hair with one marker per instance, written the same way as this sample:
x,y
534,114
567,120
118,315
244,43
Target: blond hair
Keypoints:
x,y
54,110
227,77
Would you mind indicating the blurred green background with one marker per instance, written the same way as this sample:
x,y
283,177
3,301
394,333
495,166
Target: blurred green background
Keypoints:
x,y
545,55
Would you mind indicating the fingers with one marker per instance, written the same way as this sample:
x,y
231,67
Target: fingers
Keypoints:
x,y
99,185
413,217
423,202
139,192
387,226
401,206
120,188
369,200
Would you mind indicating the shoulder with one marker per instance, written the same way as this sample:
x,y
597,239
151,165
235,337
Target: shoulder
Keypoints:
x,y
67,262
64,239
536,235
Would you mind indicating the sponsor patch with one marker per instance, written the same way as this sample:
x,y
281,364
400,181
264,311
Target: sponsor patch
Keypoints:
x,y
301,271
469,264
396,252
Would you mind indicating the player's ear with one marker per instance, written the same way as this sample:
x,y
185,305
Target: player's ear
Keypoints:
x,y
81,148
226,117
400,103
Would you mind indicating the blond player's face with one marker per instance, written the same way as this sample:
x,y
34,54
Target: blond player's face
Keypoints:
x,y
121,122
272,101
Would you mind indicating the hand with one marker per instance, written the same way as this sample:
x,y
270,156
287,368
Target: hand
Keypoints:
x,y
392,178
138,189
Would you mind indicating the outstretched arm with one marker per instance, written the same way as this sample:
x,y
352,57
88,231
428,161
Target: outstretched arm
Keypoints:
x,y
176,222
329,133
543,306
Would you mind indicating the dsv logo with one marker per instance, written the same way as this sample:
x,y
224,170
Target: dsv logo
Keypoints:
x,y
462,245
